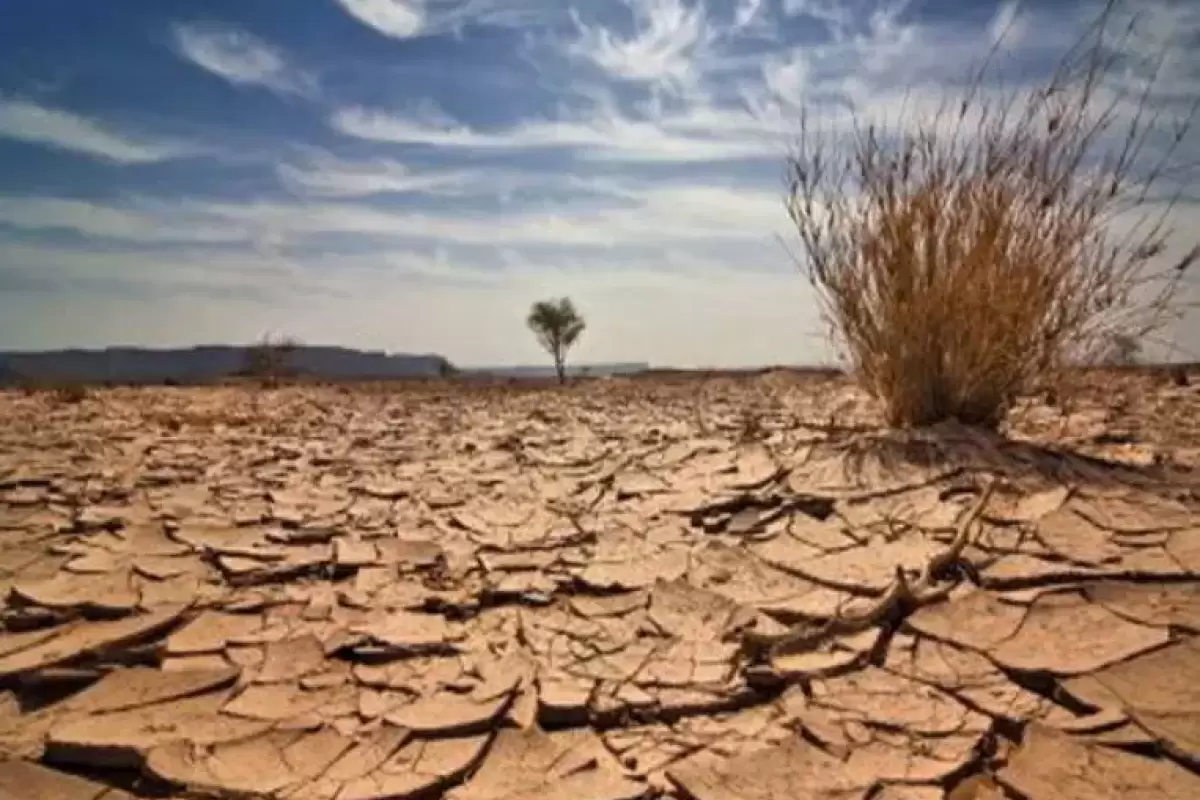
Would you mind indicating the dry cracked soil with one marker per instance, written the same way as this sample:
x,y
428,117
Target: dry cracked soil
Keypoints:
x,y
708,588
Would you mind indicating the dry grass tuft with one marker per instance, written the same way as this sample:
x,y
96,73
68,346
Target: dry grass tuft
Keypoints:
x,y
967,257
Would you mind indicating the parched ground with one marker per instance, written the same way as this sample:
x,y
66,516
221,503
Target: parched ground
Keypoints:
x,y
718,589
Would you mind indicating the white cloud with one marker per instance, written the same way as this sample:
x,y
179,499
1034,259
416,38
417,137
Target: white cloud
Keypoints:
x,y
399,19
407,19
324,175
655,217
837,14
604,134
150,265
240,58
725,107
109,221
669,36
27,121
786,79
617,214
1161,43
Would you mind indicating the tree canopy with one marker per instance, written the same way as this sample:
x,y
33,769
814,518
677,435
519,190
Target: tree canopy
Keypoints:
x,y
557,325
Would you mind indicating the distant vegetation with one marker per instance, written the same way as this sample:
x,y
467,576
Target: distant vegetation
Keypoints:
x,y
966,258
557,326
268,359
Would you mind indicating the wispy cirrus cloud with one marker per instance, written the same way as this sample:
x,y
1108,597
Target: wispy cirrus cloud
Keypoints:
x,y
604,134
616,213
120,222
240,58
27,121
875,62
667,39
322,174
704,100
143,271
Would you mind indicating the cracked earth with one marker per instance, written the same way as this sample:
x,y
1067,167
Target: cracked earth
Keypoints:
x,y
716,589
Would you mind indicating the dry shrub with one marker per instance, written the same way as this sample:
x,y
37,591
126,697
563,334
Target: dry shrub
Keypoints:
x,y
967,257
267,360
70,393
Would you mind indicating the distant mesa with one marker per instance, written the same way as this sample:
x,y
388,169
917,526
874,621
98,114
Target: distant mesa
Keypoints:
x,y
209,363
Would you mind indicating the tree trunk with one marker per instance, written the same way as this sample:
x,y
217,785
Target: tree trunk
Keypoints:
x,y
560,369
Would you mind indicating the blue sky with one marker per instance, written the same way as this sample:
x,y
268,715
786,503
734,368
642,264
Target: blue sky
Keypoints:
x,y
410,175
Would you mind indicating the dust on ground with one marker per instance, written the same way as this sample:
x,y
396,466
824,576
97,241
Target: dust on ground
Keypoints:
x,y
719,589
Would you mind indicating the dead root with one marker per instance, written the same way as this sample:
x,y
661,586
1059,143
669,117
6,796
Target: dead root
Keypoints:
x,y
903,596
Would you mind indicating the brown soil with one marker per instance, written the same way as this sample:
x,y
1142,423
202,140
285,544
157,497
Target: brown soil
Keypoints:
x,y
727,588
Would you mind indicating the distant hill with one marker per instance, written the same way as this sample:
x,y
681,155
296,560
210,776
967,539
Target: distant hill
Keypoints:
x,y
208,363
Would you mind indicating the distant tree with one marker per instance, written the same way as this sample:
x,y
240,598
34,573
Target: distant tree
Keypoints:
x,y
557,326
267,359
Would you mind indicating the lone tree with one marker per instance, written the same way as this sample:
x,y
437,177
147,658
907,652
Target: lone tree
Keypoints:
x,y
557,326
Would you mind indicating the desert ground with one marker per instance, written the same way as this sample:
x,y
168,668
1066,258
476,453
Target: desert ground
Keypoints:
x,y
718,588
